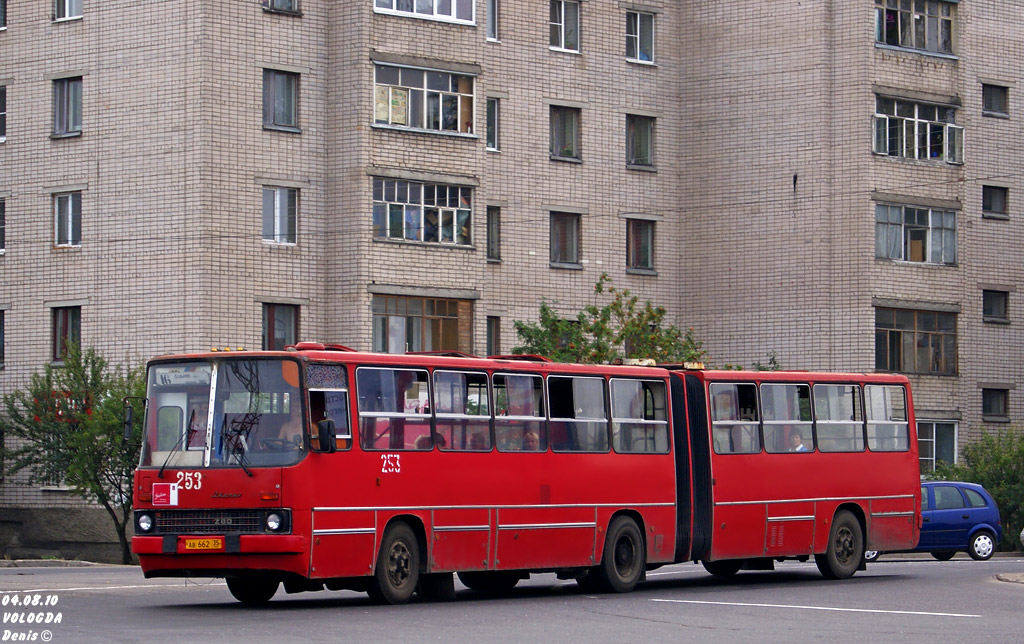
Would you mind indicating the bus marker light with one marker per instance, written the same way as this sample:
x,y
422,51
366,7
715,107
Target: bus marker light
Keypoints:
x,y
269,496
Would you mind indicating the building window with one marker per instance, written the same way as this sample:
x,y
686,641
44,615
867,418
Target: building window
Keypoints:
x,y
915,341
67,219
565,238
67,327
423,99
403,324
994,306
494,233
917,131
640,244
915,234
280,326
449,10
2,342
639,140
288,6
280,100
67,106
493,335
3,13
3,111
3,225
564,25
435,213
640,36
927,25
994,404
937,443
493,111
993,201
67,9
995,100
565,132
492,19
280,211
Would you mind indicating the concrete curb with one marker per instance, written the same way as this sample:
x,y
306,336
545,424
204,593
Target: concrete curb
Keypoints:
x,y
46,563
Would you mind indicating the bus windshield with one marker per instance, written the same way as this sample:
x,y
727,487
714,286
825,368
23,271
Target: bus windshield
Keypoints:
x,y
231,412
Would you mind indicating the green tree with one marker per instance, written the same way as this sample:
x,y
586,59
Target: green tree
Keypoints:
x,y
67,427
624,327
996,462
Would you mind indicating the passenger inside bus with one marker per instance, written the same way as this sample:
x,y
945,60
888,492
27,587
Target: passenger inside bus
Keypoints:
x,y
531,442
796,441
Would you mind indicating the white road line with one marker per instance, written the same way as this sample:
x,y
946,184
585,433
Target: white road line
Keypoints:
x,y
828,608
64,590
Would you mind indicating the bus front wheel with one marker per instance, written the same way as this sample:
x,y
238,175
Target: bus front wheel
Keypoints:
x,y
624,558
845,548
252,592
398,566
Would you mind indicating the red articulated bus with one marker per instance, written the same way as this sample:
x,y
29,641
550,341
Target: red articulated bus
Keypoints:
x,y
321,467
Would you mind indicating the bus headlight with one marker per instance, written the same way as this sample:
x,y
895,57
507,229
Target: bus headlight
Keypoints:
x,y
145,523
274,522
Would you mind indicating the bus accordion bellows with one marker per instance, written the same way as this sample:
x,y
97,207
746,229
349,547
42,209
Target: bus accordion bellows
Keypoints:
x,y
316,468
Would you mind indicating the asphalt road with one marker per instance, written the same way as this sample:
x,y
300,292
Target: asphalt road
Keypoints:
x,y
895,600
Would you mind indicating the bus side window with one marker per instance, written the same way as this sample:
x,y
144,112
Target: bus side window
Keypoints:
x,y
519,422
735,423
461,411
393,408
639,416
888,428
839,417
578,417
787,418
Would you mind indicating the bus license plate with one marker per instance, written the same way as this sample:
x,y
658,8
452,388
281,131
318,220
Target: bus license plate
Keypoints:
x,y
204,544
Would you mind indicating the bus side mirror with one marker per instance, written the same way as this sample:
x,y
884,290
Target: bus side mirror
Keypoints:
x,y
325,436
127,422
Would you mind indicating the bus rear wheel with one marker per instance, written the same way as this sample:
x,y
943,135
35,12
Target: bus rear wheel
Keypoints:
x,y
250,591
489,581
624,558
398,566
845,548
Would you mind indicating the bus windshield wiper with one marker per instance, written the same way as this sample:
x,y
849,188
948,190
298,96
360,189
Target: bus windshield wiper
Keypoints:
x,y
235,437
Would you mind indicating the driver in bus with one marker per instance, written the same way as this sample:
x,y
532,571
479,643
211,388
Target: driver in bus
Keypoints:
x,y
289,434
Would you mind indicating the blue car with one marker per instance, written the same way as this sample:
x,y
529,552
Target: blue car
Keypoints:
x,y
956,517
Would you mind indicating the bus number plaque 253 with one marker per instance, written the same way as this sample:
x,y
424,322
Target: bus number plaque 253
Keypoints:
x,y
389,464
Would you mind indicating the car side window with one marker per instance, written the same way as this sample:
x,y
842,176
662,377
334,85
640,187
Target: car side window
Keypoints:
x,y
947,497
975,499
924,498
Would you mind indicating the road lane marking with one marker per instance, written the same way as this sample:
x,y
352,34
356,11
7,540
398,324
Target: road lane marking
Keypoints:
x,y
827,608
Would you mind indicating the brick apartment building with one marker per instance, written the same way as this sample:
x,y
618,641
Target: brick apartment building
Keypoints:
x,y
829,181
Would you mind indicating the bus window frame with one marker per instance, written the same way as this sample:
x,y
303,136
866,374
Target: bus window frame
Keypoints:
x,y
605,406
542,419
905,422
818,422
641,420
360,414
810,437
739,422
440,416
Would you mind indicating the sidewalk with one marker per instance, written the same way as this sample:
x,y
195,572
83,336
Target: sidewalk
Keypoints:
x,y
47,563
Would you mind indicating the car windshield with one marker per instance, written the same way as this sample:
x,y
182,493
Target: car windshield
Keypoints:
x,y
231,412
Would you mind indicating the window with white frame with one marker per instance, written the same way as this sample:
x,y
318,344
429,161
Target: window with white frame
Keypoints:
x,y
917,131
915,234
565,238
280,214
435,213
63,9
936,442
492,19
639,140
565,132
564,25
3,112
67,219
640,244
640,36
994,201
493,115
925,25
67,106
280,100
448,10
423,99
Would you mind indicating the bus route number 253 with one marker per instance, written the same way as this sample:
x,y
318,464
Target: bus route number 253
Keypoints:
x,y
389,464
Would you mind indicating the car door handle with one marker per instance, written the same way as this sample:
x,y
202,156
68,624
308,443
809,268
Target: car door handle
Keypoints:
x,y
966,516
925,520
